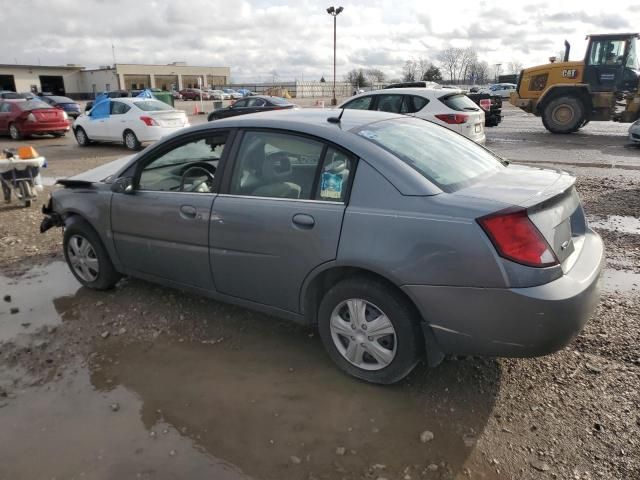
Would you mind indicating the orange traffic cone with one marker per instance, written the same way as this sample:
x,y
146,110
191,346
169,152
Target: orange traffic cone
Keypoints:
x,y
196,109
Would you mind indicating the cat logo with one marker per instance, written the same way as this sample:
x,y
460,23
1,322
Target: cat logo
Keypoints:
x,y
569,73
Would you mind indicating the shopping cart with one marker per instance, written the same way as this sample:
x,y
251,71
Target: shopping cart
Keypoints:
x,y
20,174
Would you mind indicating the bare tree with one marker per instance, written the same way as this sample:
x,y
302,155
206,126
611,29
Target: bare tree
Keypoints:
x,y
374,75
480,72
450,60
515,66
409,71
468,58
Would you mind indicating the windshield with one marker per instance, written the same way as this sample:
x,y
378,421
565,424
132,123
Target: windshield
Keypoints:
x,y
152,106
33,105
632,60
442,156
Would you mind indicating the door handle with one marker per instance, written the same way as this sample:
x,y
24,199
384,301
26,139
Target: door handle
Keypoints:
x,y
188,211
303,220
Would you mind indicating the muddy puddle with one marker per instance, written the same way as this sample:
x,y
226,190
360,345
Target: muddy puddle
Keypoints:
x,y
40,297
618,223
259,400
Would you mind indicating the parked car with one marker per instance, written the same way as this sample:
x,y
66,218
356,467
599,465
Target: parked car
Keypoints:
x,y
245,92
217,95
492,106
448,107
634,132
132,121
194,94
232,93
396,238
176,95
21,118
502,90
9,95
70,106
258,103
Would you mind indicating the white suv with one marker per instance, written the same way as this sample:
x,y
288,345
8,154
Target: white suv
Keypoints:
x,y
448,107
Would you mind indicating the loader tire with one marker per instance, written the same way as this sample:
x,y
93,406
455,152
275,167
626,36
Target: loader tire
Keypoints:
x,y
563,114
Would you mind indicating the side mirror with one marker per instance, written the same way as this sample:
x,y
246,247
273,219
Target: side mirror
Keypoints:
x,y
122,185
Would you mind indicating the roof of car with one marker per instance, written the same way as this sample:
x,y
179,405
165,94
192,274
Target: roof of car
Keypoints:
x,y
134,99
420,91
58,99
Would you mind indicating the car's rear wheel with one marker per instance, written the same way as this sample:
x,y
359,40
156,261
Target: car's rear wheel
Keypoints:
x,y
14,132
369,330
81,137
87,257
130,140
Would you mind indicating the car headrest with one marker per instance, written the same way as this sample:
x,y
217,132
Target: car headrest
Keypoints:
x,y
276,166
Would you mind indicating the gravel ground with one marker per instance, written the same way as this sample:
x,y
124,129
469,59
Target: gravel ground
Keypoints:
x,y
150,382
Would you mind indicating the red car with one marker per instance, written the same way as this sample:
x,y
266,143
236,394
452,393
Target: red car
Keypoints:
x,y
21,118
194,94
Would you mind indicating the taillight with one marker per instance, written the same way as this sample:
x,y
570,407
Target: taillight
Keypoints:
x,y
485,104
64,115
453,118
31,118
516,238
149,122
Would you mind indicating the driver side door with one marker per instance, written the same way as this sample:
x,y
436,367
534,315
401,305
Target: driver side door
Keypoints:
x,y
161,228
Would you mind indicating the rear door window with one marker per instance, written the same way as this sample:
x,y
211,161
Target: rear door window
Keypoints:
x,y
118,108
389,103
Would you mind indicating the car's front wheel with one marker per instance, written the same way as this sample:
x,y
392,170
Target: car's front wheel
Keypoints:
x,y
87,257
370,330
14,132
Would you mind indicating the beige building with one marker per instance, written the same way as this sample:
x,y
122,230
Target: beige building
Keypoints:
x,y
76,81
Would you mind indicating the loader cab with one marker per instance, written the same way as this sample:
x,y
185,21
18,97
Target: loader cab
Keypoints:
x,y
611,63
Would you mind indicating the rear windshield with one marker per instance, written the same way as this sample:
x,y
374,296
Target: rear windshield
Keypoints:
x,y
153,106
279,101
12,95
442,156
32,105
459,102
62,99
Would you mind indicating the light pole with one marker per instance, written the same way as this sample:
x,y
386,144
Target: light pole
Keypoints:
x,y
334,12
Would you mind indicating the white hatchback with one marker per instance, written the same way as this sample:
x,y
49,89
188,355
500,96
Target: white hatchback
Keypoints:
x,y
132,121
448,107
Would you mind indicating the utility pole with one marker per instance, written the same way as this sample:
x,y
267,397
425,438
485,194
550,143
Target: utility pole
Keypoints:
x,y
334,12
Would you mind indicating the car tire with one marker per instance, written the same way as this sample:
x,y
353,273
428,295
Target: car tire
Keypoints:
x,y
563,114
395,354
89,262
81,137
14,132
130,140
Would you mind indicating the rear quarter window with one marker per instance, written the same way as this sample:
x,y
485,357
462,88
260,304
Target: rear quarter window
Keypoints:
x,y
362,103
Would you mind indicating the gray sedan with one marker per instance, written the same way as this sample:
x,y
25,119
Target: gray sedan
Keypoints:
x,y
400,240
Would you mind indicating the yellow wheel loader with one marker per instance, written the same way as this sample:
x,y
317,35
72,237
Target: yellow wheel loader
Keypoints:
x,y
568,95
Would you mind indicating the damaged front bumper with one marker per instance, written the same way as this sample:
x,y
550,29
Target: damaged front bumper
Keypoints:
x,y
51,219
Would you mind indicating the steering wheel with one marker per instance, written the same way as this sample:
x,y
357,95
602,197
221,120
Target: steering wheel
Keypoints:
x,y
207,168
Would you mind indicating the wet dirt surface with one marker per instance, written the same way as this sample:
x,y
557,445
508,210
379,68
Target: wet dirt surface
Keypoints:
x,y
148,382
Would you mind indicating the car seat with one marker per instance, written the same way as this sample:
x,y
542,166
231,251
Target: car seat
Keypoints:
x,y
276,169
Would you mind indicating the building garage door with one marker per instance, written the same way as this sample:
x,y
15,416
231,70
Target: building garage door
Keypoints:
x,y
7,82
52,83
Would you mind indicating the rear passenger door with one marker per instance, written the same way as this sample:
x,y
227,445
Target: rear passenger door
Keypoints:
x,y
278,217
5,114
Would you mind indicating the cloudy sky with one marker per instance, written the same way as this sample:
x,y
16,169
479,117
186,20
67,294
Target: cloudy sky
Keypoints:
x,y
294,39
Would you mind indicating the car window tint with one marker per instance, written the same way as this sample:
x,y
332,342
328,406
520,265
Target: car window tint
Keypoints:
x,y
240,104
389,103
459,102
118,108
334,176
172,171
413,104
362,103
5,107
439,154
276,165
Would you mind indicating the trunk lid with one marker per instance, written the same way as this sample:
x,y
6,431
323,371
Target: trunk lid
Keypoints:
x,y
549,198
169,118
48,114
